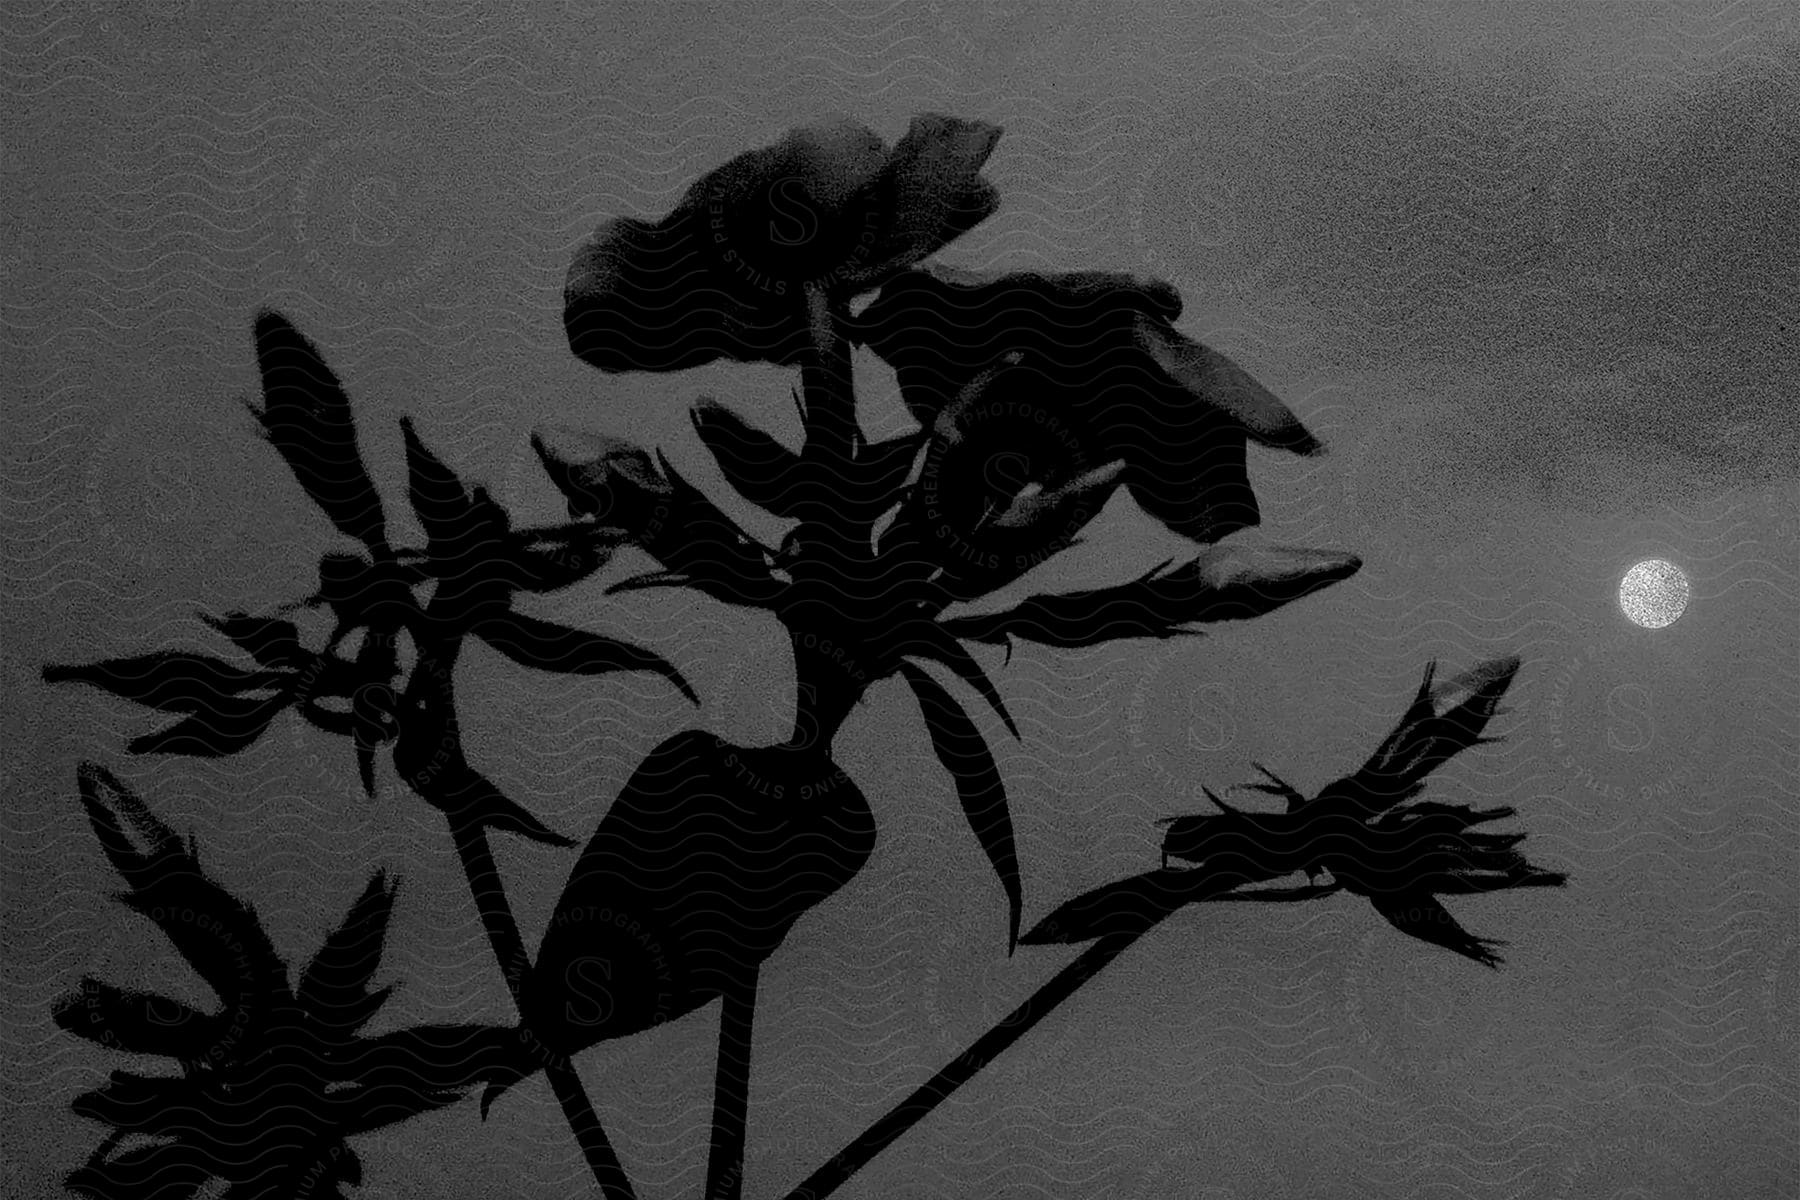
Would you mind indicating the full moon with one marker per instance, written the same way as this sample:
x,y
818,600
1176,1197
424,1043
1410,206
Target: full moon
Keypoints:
x,y
1654,593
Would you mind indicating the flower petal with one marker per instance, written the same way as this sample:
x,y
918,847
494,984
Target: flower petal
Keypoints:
x,y
722,275
936,193
1215,381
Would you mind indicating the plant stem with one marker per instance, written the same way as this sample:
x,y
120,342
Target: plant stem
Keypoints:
x,y
987,1047
447,789
731,1088
509,951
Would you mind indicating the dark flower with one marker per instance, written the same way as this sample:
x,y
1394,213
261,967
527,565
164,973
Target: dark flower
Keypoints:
x,y
725,274
1096,356
274,1082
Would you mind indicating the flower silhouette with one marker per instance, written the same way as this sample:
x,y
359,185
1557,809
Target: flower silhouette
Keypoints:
x,y
1097,352
273,1083
724,274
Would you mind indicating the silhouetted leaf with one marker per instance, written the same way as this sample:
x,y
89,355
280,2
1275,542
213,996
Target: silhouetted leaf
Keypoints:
x,y
415,1070
606,478
1419,915
166,1171
930,640
335,985
1127,906
307,418
217,934
462,525
365,766
889,463
1226,583
173,681
550,647
136,1022
705,544
271,642
265,1105
547,560
758,467
1425,739
230,724
965,755
468,798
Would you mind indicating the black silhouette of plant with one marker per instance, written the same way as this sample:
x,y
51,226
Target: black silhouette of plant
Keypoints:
x,y
1039,396
273,1083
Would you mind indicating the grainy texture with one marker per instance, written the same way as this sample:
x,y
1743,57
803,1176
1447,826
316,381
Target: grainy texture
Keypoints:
x,y
1526,270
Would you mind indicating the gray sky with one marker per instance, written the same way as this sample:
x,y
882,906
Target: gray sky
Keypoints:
x,y
1527,269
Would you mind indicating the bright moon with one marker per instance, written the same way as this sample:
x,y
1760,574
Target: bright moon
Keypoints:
x,y
1654,593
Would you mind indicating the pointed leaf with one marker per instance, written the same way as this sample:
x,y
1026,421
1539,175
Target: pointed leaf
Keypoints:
x,y
165,1171
1130,905
307,418
232,723
153,1105
607,478
335,985
547,560
271,642
1420,916
889,463
365,765
218,934
454,522
759,468
419,1069
1227,583
101,793
550,647
174,681
965,755
1425,739
135,1022
930,640
695,537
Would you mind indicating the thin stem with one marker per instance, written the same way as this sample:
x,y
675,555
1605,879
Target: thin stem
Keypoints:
x,y
989,1046
509,952
731,1088
458,781
614,1184
490,899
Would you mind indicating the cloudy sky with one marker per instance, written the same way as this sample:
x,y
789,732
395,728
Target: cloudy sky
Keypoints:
x,y
1527,269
